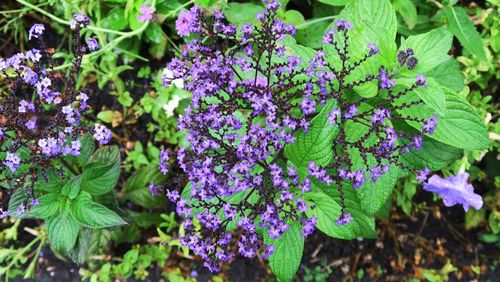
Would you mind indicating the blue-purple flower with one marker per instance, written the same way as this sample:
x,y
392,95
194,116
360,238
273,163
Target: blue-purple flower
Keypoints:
x,y
455,190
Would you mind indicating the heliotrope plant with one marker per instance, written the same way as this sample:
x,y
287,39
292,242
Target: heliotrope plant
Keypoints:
x,y
47,153
284,138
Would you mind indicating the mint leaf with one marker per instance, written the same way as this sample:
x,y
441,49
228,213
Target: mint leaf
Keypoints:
x,y
326,200
315,144
86,150
62,230
102,172
47,207
92,214
462,27
285,260
72,187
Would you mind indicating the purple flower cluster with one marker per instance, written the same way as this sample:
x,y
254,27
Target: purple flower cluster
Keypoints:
x,y
48,124
249,97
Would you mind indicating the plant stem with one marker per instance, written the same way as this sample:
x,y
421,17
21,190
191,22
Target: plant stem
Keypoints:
x,y
307,23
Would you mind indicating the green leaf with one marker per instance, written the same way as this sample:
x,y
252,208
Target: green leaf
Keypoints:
x,y
374,22
460,127
448,74
92,214
294,17
154,33
86,150
408,12
374,195
106,116
285,260
115,20
432,95
239,13
72,187
62,230
312,34
336,2
48,206
326,202
315,144
102,172
433,155
430,49
462,27
137,187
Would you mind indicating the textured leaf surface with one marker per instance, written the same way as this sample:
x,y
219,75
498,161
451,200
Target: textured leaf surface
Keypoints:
x,y
285,260
315,144
102,172
326,200
462,27
93,215
62,230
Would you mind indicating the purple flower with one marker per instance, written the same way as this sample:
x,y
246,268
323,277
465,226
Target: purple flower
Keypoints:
x,y
35,202
308,226
187,22
421,80
92,44
36,30
1,134
351,112
79,20
328,37
333,116
268,251
344,218
385,81
31,123
102,134
373,49
422,175
152,189
343,25
430,125
12,161
146,13
455,190
308,106
163,162
4,214
379,116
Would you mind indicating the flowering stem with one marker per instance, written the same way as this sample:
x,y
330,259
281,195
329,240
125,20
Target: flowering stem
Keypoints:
x,y
307,23
65,22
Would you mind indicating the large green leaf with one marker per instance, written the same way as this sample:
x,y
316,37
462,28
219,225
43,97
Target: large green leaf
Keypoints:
x,y
285,260
408,12
315,144
92,214
432,95
448,74
434,155
62,230
374,22
239,13
102,172
462,27
374,195
72,187
460,127
326,202
430,49
47,207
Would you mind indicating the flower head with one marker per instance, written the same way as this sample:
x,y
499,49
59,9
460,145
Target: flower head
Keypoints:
x,y
455,190
146,13
36,31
